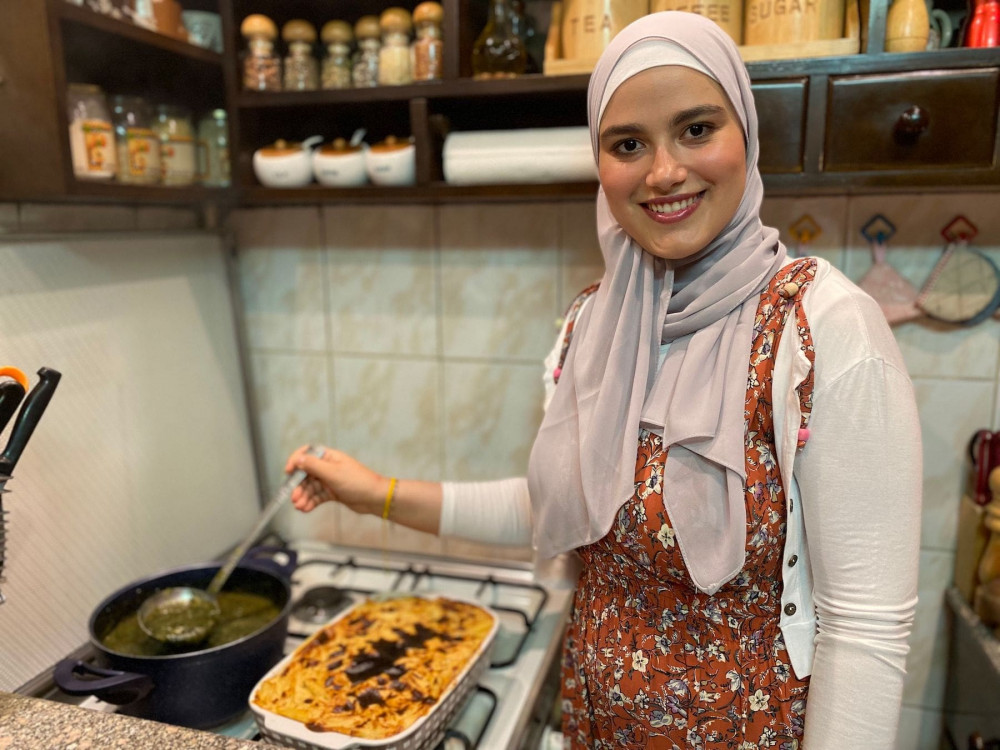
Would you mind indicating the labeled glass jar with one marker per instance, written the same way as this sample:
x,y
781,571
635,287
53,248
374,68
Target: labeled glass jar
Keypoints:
x,y
91,133
394,67
138,146
261,63
336,72
428,47
178,156
498,52
213,151
301,66
369,36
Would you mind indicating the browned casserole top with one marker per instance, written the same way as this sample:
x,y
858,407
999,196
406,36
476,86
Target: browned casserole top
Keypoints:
x,y
375,671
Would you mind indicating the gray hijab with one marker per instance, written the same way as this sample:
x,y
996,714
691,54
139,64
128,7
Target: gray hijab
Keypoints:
x,y
582,465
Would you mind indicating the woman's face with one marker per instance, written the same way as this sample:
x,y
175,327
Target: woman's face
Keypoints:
x,y
672,160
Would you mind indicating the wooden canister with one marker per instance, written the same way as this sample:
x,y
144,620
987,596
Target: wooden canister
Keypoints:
x,y
728,14
588,25
790,21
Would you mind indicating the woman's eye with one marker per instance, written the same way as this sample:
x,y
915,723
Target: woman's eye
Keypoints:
x,y
628,146
699,130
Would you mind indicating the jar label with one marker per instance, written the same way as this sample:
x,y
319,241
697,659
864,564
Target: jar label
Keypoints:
x,y
178,160
92,143
143,152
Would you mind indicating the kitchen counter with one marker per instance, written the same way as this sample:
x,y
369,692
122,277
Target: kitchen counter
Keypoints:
x,y
35,723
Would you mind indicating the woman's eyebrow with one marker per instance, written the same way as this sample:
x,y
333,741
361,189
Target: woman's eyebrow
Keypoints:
x,y
614,131
694,113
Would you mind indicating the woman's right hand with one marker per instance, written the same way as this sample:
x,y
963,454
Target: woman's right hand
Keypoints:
x,y
336,477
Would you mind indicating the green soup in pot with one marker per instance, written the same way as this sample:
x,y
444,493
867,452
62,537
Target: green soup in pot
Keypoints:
x,y
241,614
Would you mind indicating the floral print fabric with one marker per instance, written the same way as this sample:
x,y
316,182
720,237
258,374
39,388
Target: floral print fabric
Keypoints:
x,y
650,661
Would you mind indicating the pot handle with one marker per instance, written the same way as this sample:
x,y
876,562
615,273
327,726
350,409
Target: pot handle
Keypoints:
x,y
112,686
278,560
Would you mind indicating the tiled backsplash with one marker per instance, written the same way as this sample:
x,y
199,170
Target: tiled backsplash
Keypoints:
x,y
412,337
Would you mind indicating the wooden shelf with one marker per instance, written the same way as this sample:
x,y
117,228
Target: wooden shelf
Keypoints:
x,y
127,30
95,190
434,193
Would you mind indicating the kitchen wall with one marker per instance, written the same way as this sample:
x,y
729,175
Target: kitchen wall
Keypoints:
x,y
412,337
142,461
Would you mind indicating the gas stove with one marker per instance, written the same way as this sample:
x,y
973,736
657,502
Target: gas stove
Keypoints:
x,y
516,696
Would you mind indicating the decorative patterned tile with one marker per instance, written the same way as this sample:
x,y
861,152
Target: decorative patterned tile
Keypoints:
x,y
60,217
492,412
927,662
499,275
382,279
281,269
950,412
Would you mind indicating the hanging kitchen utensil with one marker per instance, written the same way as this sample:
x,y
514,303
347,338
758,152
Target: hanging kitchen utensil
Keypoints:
x,y
894,294
184,614
964,286
24,425
11,393
804,230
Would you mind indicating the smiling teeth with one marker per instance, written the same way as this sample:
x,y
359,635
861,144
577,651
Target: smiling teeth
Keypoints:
x,y
669,208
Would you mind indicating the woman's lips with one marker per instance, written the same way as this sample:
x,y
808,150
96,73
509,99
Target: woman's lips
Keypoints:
x,y
671,210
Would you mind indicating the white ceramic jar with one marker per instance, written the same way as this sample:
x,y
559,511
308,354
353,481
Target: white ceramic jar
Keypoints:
x,y
392,162
339,164
284,164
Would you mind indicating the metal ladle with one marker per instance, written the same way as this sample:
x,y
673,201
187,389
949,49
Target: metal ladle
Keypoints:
x,y
184,614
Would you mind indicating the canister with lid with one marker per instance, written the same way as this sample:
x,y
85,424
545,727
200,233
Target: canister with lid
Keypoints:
x,y
338,37
394,67
138,146
177,144
261,63
91,134
428,47
369,36
213,152
301,67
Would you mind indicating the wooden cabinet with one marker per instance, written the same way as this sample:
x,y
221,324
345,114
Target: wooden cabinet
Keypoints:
x,y
864,122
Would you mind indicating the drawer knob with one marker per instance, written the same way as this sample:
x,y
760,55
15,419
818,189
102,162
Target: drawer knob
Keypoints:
x,y
912,123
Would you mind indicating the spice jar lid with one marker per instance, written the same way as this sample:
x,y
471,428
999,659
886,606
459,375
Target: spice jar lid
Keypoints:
x,y
391,143
298,30
396,20
280,147
339,146
428,12
258,25
367,28
335,32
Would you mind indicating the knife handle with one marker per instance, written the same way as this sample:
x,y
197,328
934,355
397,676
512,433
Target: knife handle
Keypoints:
x,y
27,418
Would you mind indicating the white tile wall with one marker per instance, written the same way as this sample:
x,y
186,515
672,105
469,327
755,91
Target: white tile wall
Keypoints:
x,y
438,319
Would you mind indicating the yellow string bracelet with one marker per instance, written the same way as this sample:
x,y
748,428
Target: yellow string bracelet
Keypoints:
x,y
388,498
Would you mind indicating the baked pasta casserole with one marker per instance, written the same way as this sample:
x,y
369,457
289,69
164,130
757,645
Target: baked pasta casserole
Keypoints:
x,y
376,670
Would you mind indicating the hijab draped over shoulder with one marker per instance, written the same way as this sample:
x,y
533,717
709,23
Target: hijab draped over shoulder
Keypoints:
x,y
582,465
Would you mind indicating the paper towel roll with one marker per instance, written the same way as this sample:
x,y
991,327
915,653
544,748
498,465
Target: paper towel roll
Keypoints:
x,y
530,155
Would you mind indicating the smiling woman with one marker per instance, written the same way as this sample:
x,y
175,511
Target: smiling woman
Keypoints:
x,y
672,167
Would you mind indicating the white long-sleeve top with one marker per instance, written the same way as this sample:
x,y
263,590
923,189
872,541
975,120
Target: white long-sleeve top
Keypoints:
x,y
853,509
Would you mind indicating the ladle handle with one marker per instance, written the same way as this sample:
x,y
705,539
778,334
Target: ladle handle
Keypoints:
x,y
274,505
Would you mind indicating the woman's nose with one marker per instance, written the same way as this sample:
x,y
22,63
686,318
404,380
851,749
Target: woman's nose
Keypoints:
x,y
666,169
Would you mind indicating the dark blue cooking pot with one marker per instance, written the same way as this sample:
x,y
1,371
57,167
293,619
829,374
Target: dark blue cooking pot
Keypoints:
x,y
197,689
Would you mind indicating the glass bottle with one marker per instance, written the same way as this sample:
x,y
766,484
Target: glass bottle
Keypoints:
x,y
369,36
427,51
213,138
138,146
301,67
498,52
523,26
91,135
177,145
261,64
394,67
337,36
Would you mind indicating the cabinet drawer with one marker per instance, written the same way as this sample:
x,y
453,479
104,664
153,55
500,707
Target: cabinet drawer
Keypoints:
x,y
781,114
927,119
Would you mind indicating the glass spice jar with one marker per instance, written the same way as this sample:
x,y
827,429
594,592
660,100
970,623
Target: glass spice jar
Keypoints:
x,y
261,64
91,134
369,36
394,67
213,139
178,159
498,51
336,72
428,47
301,67
138,146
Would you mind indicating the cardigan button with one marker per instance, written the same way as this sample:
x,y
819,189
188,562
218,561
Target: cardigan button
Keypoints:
x,y
789,609
792,560
788,290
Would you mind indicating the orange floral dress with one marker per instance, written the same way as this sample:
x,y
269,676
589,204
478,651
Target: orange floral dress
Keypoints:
x,y
650,661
